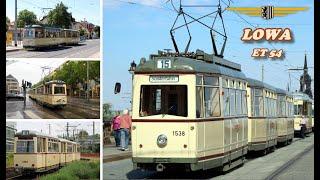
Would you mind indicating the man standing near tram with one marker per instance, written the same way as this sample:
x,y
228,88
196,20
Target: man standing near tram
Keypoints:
x,y
125,125
303,126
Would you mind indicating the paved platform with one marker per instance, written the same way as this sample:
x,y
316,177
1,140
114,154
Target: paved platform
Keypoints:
x,y
111,153
13,48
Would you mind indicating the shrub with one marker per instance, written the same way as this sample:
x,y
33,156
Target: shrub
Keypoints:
x,y
76,170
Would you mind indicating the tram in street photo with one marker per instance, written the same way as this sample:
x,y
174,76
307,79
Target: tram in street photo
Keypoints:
x,y
285,125
35,152
38,36
189,111
262,116
302,108
52,94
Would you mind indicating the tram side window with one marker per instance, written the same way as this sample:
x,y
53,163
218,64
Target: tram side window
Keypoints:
x,y
28,33
69,148
232,102
226,102
212,104
39,33
298,109
257,103
238,102
244,102
53,147
25,147
167,99
199,102
40,145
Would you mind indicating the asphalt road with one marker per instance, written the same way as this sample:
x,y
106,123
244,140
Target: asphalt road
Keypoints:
x,y
88,49
16,110
255,167
303,168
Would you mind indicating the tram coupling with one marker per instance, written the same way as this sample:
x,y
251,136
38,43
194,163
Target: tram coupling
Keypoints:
x,y
160,167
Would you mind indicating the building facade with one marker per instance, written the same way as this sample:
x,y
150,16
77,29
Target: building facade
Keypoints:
x,y
10,132
12,85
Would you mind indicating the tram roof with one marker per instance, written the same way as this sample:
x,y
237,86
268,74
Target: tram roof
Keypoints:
x,y
31,133
281,91
259,84
301,96
55,82
193,64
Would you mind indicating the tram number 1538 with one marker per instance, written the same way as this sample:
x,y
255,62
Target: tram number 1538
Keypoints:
x,y
178,133
164,64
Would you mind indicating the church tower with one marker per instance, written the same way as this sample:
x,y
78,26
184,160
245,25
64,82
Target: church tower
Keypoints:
x,y
305,79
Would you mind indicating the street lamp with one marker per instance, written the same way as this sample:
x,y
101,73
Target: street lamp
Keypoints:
x,y
131,70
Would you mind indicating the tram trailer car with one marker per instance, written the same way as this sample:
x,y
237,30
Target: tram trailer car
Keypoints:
x,y
37,36
302,107
52,94
262,120
189,111
36,152
285,125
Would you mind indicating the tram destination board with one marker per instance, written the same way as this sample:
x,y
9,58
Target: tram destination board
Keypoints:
x,y
164,78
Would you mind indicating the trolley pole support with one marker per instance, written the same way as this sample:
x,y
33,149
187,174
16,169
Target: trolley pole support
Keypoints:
x,y
24,93
88,80
15,23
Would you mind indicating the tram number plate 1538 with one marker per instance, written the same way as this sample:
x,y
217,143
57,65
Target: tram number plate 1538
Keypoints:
x,y
164,64
178,133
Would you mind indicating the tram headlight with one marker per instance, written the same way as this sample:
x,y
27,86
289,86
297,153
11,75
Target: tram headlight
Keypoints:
x,y
162,140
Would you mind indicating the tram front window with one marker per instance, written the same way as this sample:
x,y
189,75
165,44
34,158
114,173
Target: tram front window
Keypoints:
x,y
166,99
59,90
25,147
298,109
29,33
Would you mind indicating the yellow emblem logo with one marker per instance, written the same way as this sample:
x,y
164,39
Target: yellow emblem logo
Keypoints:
x,y
267,12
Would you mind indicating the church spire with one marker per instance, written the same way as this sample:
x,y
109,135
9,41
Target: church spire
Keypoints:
x,y
305,67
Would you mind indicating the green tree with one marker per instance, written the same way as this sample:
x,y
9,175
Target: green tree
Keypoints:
x,y
83,134
60,17
26,17
82,32
107,112
7,23
97,30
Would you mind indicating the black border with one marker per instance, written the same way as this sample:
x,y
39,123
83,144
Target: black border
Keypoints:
x,y
2,87
316,94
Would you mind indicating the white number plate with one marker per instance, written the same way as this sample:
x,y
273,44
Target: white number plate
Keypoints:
x,y
164,64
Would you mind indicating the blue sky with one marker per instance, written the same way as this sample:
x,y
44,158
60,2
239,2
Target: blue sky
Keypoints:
x,y
132,31
80,9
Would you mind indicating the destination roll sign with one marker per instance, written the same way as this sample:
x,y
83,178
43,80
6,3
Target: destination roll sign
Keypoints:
x,y
164,78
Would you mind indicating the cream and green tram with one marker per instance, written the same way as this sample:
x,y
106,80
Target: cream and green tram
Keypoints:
x,y
262,117
38,36
285,130
188,112
52,93
35,152
302,108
